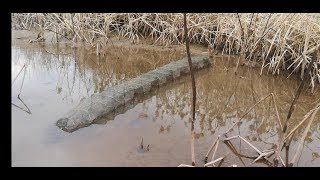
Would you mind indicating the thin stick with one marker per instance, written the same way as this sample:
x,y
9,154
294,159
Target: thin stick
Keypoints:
x,y
263,34
233,149
237,136
185,165
209,151
20,108
29,112
263,155
216,148
22,82
250,21
230,138
251,145
253,107
193,158
299,149
242,32
247,113
304,119
18,74
219,159
214,161
294,101
282,140
24,104
266,26
248,37
287,150
275,106
141,144
193,88
282,161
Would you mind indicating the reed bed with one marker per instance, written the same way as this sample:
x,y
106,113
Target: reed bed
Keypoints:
x,y
272,41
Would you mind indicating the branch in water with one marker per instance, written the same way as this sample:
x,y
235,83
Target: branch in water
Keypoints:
x,y
193,87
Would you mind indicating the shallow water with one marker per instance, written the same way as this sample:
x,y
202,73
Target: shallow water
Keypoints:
x,y
57,78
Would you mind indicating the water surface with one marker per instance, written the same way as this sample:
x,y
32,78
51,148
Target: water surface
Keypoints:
x,y
58,77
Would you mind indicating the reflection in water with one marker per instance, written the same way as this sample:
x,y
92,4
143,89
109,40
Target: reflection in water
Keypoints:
x,y
57,78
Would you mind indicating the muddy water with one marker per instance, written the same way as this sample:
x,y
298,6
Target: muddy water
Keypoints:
x,y
57,78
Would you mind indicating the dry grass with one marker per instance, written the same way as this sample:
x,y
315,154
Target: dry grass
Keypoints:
x,y
275,41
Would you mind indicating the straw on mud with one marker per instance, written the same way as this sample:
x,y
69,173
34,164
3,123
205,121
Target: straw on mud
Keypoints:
x,y
299,149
